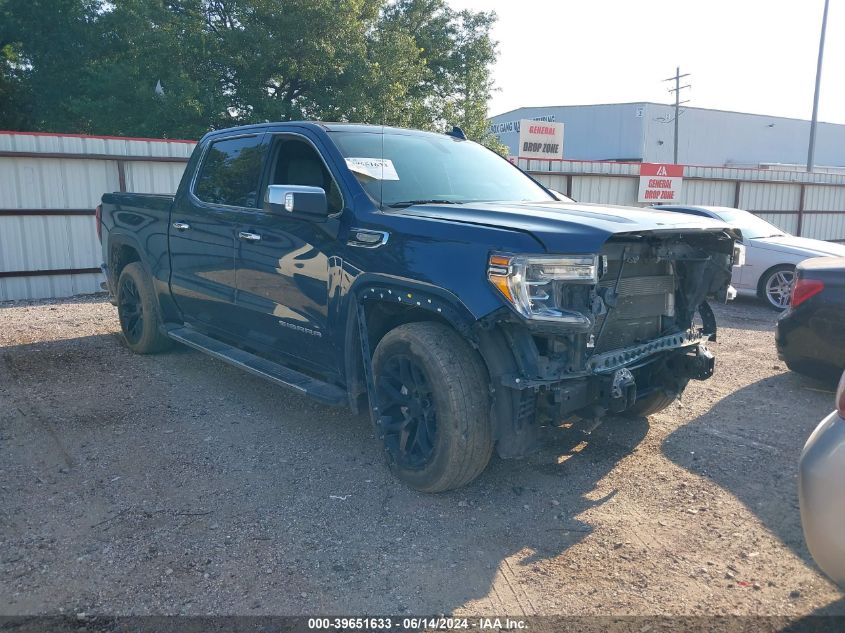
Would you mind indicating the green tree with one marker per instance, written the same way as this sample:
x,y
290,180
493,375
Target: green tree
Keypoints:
x,y
92,66
14,99
45,44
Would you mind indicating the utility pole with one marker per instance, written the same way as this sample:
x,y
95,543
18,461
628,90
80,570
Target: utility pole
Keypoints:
x,y
677,90
811,152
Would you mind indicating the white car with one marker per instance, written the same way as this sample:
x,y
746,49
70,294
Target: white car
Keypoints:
x,y
820,492
770,253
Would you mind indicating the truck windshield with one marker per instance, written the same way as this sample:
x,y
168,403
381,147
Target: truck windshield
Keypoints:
x,y
398,170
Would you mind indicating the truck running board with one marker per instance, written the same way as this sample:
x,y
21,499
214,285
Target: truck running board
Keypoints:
x,y
274,372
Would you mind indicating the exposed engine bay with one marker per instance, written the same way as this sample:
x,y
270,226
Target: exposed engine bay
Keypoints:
x,y
636,335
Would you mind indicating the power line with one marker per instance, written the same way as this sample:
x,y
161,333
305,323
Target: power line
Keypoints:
x,y
677,90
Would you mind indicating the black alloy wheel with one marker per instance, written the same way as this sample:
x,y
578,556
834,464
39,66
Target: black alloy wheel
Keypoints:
x,y
131,310
409,414
138,311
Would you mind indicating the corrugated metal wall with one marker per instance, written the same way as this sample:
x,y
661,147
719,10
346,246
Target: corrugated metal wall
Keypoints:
x,y
49,186
823,206
810,205
713,192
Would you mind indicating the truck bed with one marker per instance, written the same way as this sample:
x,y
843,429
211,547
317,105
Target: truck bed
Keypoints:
x,y
130,219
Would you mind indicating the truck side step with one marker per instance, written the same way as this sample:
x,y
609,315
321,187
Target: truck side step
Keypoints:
x,y
279,374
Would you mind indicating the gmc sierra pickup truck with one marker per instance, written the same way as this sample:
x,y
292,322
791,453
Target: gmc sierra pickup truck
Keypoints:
x,y
421,277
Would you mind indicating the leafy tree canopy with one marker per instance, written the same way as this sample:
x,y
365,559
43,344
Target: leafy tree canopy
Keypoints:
x,y
92,66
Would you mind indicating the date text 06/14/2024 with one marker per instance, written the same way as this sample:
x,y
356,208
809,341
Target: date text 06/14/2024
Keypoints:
x,y
416,623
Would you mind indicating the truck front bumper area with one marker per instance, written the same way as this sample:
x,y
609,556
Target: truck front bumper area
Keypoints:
x,y
611,386
617,391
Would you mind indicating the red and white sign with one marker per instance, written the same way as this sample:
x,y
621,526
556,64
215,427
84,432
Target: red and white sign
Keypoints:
x,y
540,139
660,184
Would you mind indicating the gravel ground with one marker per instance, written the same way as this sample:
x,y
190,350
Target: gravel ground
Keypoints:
x,y
176,484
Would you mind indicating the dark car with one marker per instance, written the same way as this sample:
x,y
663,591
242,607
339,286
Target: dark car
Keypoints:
x,y
811,333
422,277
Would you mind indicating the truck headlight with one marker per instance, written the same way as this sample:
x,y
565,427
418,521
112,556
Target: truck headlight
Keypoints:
x,y
532,283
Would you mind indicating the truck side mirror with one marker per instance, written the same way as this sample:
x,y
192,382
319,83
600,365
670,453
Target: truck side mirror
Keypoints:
x,y
297,201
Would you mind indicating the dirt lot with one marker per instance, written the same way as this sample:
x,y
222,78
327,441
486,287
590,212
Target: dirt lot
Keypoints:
x,y
176,484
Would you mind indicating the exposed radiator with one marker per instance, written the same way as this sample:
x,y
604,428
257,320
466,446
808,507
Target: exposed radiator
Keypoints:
x,y
642,301
650,285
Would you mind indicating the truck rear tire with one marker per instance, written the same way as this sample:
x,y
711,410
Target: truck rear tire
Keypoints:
x,y
137,310
433,393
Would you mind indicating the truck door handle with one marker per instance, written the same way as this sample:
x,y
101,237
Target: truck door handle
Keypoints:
x,y
249,237
365,238
181,226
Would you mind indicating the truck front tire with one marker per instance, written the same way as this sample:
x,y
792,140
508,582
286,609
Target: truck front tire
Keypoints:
x,y
137,310
433,395
655,402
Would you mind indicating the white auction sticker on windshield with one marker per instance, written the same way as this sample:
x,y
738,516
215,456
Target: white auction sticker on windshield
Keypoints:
x,y
378,168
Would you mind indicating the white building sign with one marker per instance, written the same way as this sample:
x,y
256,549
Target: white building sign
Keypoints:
x,y
660,183
540,139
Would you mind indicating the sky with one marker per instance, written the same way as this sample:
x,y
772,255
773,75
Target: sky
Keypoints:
x,y
754,56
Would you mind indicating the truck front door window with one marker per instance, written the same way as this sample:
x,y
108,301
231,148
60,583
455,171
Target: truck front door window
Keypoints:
x,y
298,164
230,172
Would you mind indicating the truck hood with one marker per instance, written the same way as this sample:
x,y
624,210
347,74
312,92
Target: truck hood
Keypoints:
x,y
565,226
802,246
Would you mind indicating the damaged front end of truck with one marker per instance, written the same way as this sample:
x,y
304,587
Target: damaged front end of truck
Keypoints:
x,y
621,331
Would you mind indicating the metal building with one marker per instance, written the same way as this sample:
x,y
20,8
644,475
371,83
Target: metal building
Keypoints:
x,y
644,132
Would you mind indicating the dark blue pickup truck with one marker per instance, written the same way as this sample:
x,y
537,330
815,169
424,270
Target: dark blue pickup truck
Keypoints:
x,y
421,277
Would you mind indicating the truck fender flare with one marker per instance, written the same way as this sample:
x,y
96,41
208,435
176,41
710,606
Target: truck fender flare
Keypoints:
x,y
511,411
415,294
382,289
166,306
117,239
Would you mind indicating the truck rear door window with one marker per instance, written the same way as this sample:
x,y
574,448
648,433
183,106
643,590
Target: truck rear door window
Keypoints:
x,y
230,172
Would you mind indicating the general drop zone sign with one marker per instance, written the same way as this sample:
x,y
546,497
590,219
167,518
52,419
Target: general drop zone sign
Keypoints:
x,y
540,139
660,184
